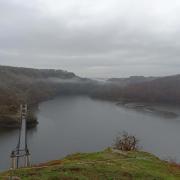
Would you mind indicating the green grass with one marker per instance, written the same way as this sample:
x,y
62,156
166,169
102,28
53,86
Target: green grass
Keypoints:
x,y
105,165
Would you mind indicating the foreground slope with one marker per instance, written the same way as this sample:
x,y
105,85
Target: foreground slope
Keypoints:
x,y
109,164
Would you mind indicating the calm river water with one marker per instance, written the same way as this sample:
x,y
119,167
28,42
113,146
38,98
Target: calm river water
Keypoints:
x,y
80,124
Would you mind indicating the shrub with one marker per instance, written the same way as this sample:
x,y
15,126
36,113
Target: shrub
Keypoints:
x,y
126,142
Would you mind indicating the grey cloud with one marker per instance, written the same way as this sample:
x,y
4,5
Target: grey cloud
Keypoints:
x,y
92,38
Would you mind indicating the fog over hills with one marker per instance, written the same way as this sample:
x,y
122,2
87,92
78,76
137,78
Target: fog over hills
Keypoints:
x,y
26,85
32,86
131,80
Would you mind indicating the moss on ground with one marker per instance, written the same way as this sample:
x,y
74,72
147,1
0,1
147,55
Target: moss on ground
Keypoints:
x,y
105,165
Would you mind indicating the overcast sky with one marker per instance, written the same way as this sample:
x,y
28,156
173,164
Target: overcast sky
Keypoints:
x,y
93,38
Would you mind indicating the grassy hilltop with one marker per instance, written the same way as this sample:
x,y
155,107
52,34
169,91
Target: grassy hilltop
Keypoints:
x,y
106,165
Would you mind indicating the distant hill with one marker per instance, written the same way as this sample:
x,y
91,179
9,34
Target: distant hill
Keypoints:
x,y
163,90
130,80
143,89
26,85
18,84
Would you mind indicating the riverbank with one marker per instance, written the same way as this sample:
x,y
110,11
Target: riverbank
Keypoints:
x,y
108,164
149,108
11,120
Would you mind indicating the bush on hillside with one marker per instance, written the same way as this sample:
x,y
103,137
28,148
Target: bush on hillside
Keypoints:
x,y
126,142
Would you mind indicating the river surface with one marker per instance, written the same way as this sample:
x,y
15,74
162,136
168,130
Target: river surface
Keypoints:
x,y
80,124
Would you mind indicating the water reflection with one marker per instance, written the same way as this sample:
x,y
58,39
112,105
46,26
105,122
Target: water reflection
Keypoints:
x,y
80,124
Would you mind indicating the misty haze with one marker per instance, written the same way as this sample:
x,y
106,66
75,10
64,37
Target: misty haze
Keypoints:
x,y
89,89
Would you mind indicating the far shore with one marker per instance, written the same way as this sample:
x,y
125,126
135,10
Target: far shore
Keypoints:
x,y
148,108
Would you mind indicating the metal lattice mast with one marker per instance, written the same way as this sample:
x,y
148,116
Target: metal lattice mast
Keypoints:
x,y
20,156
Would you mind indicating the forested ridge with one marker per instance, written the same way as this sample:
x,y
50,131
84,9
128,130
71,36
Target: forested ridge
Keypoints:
x,y
32,86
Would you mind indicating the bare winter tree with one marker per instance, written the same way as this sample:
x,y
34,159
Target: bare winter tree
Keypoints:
x,y
126,142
